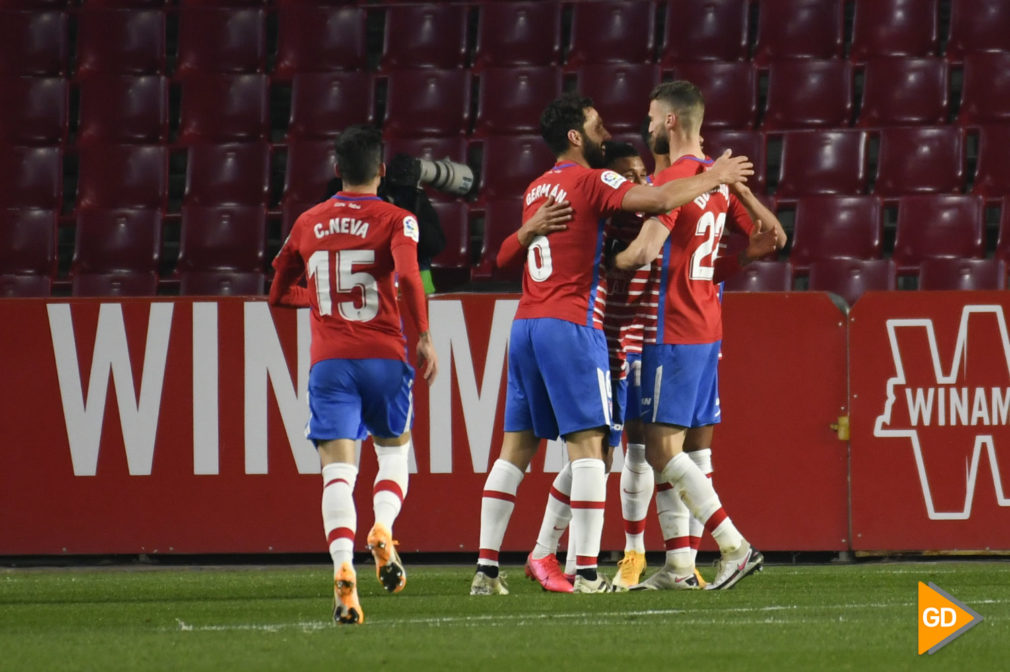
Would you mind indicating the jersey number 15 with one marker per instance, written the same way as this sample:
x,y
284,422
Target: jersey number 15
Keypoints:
x,y
320,269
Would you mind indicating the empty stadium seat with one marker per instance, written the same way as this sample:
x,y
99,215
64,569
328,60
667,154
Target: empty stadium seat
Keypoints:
x,y
32,177
135,283
938,225
966,274
310,168
895,28
729,89
222,237
901,91
221,283
798,29
611,31
744,142
424,35
118,40
319,38
117,239
822,162
453,217
977,25
221,39
985,91
235,173
501,219
427,102
220,107
34,111
1003,238
325,103
850,278
717,31
510,163
762,276
518,33
33,42
992,171
27,241
920,159
808,94
620,92
123,176
511,99
16,285
123,109
836,226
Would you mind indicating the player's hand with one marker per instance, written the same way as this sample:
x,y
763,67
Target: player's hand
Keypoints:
x,y
550,217
762,242
427,358
732,169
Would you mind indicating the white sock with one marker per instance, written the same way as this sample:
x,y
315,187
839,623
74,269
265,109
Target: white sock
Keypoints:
x,y
557,514
636,489
673,523
570,554
340,518
496,509
702,500
589,495
703,460
390,486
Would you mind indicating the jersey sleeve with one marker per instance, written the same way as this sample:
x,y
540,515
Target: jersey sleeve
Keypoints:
x,y
606,189
289,267
738,217
405,230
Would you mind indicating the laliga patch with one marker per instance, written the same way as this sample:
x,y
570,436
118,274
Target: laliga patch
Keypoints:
x,y
410,228
612,179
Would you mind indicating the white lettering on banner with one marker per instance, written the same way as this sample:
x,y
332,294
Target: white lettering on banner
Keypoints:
x,y
450,336
951,405
264,359
84,416
206,452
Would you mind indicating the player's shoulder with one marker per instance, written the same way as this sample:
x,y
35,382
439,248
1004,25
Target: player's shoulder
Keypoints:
x,y
685,166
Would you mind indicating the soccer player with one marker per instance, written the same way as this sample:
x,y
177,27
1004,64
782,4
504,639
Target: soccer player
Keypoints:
x,y
683,336
353,248
558,382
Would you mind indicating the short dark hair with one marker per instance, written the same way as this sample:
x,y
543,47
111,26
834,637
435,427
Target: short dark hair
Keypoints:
x,y
359,154
685,99
614,150
563,114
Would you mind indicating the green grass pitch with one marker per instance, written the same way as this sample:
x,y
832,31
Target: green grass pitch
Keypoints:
x,y
860,616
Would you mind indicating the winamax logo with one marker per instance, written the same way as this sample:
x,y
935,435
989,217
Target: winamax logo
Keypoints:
x,y
953,412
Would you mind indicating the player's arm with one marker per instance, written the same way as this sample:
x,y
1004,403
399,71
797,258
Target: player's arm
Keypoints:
x,y
549,217
763,240
288,270
762,217
412,291
657,200
645,247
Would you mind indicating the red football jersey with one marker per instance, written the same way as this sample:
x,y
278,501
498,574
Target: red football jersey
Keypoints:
x,y
686,308
562,276
345,245
621,321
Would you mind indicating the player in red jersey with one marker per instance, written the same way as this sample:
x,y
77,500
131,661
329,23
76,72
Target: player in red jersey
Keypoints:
x,y
683,335
558,372
352,248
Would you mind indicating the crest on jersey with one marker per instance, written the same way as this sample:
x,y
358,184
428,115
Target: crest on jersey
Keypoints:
x,y
410,228
612,179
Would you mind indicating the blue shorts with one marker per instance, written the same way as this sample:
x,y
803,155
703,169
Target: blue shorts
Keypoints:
x,y
680,384
351,398
627,398
559,378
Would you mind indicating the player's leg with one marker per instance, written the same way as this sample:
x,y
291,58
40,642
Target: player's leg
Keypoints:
x,y
697,445
542,563
589,494
637,481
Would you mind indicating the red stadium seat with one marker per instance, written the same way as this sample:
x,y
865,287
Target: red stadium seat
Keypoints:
x,y
221,283
120,239
741,142
808,94
32,177
895,28
314,38
291,209
27,241
221,39
310,168
12,285
967,274
822,162
325,103
427,102
762,276
798,29
938,225
424,35
236,173
985,92
510,163
123,176
836,226
34,111
977,25
33,42
127,41
1003,240
718,31
920,159
511,99
454,260
620,92
903,91
612,32
222,237
123,109
729,89
849,278
501,219
223,107
144,283
992,172
518,33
